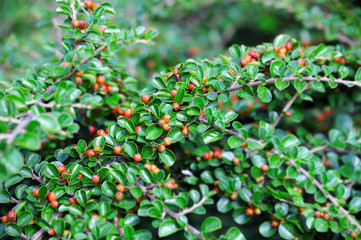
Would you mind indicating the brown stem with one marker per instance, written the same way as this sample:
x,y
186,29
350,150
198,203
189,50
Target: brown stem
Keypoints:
x,y
272,80
14,200
38,179
327,195
116,221
22,235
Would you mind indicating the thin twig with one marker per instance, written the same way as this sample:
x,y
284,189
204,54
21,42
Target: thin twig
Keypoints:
x,y
272,80
9,119
116,221
327,195
82,7
41,233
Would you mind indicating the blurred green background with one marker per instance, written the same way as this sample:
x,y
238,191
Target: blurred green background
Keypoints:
x,y
200,29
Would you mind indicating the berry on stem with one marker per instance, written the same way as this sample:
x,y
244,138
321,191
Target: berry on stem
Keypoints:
x,y
145,98
95,178
128,113
137,157
117,150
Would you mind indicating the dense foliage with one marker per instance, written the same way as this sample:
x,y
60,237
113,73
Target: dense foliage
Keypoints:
x,y
265,136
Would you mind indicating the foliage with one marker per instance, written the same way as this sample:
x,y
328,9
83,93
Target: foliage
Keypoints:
x,y
265,134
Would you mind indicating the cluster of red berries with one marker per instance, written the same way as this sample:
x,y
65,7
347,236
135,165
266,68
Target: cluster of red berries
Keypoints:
x,y
321,116
164,122
11,217
79,23
51,197
216,154
152,167
91,5
340,60
252,56
284,49
101,83
171,184
120,189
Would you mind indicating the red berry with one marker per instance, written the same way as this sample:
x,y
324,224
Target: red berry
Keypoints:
x,y
317,214
72,201
185,131
275,223
145,98
75,23
100,132
137,129
236,161
89,4
166,127
207,156
326,215
120,188
128,113
102,28
176,106
11,216
36,192
78,80
61,168
166,118
119,196
205,78
264,168
320,117
95,178
191,86
90,153
117,150
83,24
64,178
137,157
51,231
4,219
92,129
161,148
249,211
54,204
101,79
167,141
52,197
173,93
169,74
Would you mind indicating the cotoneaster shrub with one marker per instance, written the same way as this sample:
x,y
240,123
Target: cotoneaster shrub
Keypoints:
x,y
177,159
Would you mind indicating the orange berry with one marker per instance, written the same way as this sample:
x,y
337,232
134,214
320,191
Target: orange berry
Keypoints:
x,y
288,114
249,211
207,156
4,219
166,118
185,131
176,106
326,215
96,148
232,71
120,188
95,6
275,223
90,153
137,157
11,216
100,79
236,161
169,74
128,113
175,71
119,196
36,192
100,132
166,127
102,28
117,150
95,178
89,4
289,46
317,214
54,204
264,168
145,98
234,196
72,201
51,231
173,93
52,197
205,78
147,166
191,86
78,80
167,141
161,148
320,117
75,23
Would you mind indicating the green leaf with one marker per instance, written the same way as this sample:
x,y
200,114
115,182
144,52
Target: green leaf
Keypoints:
x,y
281,40
136,192
321,225
5,196
51,171
212,136
49,123
290,141
109,189
167,157
59,226
131,148
24,218
198,101
146,175
167,227
287,231
235,234
14,179
276,68
234,142
355,205
211,224
358,75
175,135
127,124
264,94
153,132
13,230
267,230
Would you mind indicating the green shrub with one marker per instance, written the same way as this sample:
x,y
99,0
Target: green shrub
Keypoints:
x,y
266,136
